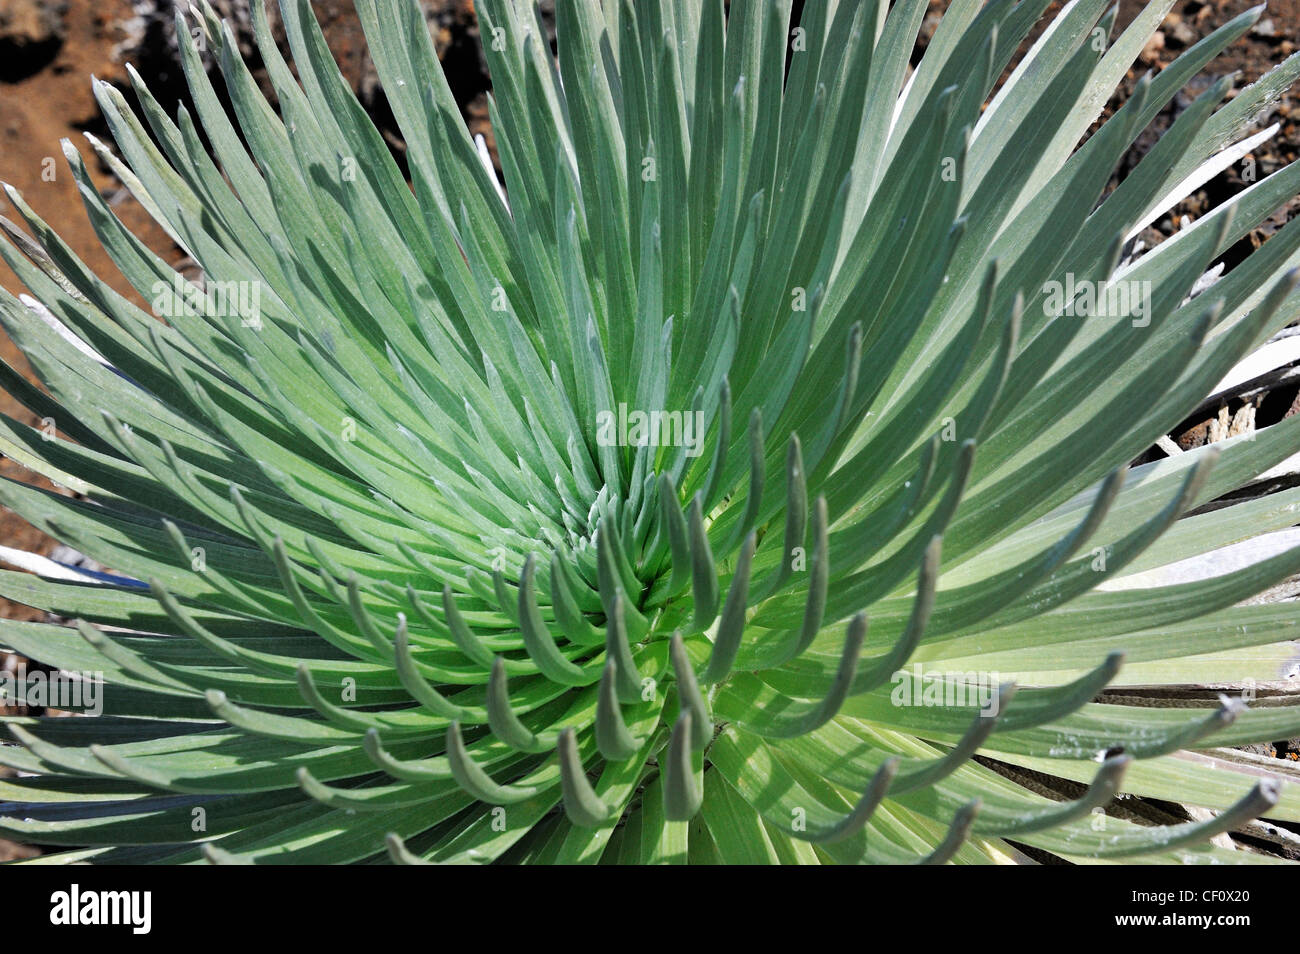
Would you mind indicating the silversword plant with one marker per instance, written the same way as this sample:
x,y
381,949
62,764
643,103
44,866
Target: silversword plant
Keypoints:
x,y
377,589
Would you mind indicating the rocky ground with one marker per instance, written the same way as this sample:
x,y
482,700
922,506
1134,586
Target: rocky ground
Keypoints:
x,y
50,48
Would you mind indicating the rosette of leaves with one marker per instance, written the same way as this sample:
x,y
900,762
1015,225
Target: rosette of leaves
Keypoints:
x,y
381,586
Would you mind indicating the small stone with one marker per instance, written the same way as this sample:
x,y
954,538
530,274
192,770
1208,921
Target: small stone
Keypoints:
x,y
31,22
1151,52
31,33
1183,34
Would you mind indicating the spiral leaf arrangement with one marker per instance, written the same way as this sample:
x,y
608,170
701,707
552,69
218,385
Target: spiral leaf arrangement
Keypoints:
x,y
700,490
